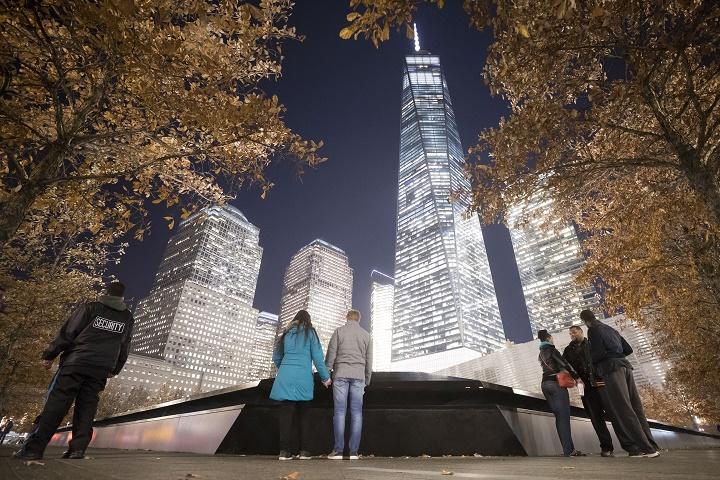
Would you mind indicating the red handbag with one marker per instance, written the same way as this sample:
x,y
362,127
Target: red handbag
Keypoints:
x,y
565,380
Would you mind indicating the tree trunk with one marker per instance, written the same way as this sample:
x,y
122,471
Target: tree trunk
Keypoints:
x,y
14,209
703,182
5,387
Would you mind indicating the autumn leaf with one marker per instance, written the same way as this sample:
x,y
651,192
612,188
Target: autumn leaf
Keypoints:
x,y
522,30
346,33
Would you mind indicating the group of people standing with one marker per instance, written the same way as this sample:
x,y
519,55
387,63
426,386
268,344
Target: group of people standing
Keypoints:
x,y
604,377
93,346
347,367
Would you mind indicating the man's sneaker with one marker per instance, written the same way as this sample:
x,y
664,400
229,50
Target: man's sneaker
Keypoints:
x,y
651,455
65,454
304,455
76,455
607,453
335,455
23,455
284,456
578,453
354,456
636,454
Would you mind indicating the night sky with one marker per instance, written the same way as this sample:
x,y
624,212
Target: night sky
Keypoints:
x,y
347,94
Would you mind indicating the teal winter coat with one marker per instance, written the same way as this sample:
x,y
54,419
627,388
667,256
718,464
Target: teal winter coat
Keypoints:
x,y
294,380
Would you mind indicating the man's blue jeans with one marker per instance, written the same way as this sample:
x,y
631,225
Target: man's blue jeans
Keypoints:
x,y
356,389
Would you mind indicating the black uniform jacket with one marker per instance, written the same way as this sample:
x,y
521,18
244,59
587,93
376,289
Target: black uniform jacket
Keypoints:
x,y
96,335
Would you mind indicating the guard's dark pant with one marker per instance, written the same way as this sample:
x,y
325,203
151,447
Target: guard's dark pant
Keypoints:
x,y
621,398
596,411
71,384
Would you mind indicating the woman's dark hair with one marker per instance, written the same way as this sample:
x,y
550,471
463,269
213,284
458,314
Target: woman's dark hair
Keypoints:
x,y
543,335
302,322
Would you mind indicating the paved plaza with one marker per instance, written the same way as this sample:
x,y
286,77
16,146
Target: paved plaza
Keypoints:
x,y
136,465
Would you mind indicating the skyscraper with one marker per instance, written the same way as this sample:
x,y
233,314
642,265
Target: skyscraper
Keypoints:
x,y
261,365
446,311
549,257
381,310
319,279
199,312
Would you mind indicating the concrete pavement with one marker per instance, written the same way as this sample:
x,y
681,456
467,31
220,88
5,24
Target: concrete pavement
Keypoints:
x,y
141,465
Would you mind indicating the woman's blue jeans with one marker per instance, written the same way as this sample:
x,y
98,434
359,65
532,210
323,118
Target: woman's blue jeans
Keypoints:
x,y
559,401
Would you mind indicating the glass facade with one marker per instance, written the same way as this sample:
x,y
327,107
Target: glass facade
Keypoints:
x,y
199,313
549,257
261,364
152,373
319,279
382,293
445,308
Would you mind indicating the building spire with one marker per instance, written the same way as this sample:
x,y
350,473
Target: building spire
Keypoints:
x,y
417,38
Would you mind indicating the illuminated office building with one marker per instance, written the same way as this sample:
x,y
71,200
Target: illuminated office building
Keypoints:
x,y
261,364
381,310
152,373
319,279
445,311
199,313
549,257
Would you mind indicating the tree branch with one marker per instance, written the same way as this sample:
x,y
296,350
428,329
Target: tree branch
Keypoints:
x,y
693,96
84,139
634,131
142,166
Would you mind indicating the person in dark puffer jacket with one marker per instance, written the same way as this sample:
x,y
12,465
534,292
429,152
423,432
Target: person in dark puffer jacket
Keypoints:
x,y
620,396
93,345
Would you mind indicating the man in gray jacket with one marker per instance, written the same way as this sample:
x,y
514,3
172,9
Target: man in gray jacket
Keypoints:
x,y
349,357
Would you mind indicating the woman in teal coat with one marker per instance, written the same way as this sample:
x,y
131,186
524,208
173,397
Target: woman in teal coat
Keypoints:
x,y
296,351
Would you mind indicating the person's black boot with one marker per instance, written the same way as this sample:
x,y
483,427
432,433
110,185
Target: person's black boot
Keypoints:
x,y
66,454
76,455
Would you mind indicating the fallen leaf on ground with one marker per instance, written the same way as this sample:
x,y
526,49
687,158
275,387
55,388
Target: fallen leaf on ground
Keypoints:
x,y
33,462
424,455
447,472
291,476
567,468
192,475
477,455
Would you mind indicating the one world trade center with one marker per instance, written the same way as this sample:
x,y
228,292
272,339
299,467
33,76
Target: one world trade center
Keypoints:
x,y
445,309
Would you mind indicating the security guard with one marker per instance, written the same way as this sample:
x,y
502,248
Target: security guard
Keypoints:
x,y
93,346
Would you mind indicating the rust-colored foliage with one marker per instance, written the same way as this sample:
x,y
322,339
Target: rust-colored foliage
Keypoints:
x,y
106,107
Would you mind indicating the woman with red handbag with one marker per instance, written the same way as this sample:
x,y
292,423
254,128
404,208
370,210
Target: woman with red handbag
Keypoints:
x,y
558,376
